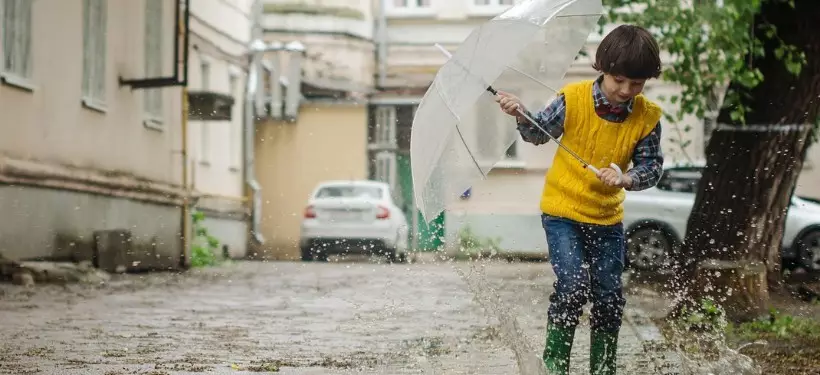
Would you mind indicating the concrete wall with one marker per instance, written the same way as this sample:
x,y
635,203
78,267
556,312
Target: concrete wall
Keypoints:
x,y
42,222
329,141
67,169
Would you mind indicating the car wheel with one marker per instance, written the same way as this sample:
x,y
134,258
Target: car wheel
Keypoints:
x,y
809,246
648,249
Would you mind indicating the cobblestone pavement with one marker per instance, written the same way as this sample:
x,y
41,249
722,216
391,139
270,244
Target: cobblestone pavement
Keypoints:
x,y
300,318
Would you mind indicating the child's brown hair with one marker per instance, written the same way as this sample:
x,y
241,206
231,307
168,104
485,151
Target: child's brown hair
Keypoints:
x,y
629,51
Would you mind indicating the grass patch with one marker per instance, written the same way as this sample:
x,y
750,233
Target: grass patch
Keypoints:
x,y
776,326
792,343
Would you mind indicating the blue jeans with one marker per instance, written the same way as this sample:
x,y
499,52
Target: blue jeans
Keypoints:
x,y
588,261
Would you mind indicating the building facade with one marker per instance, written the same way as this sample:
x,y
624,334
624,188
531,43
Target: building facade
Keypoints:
x,y
110,146
91,163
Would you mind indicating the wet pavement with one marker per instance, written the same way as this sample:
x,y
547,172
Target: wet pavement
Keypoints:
x,y
296,318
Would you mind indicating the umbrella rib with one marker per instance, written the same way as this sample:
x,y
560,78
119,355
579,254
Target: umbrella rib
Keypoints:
x,y
466,147
530,77
458,130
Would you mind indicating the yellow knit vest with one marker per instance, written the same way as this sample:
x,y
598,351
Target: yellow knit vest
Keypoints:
x,y
570,190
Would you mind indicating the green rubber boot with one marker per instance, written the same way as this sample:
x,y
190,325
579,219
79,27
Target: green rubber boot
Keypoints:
x,y
603,352
557,350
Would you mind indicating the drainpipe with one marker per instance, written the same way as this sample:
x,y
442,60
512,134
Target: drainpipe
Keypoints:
x,y
382,43
185,259
249,126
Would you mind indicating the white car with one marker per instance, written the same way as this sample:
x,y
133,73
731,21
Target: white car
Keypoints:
x,y
656,219
353,217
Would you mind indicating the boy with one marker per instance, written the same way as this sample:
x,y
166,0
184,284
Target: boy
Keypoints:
x,y
604,121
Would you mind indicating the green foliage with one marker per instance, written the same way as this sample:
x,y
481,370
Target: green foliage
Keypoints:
x,y
710,46
204,246
709,318
777,325
471,245
700,331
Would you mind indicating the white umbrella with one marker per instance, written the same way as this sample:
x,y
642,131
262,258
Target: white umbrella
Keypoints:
x,y
456,136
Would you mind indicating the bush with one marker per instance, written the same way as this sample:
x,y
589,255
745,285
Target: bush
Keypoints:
x,y
203,246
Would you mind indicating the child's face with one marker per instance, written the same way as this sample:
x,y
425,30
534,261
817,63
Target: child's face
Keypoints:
x,y
618,89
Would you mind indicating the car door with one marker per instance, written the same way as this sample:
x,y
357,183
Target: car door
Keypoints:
x,y
669,203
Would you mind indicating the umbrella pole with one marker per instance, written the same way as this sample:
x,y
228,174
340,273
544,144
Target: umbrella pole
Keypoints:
x,y
537,125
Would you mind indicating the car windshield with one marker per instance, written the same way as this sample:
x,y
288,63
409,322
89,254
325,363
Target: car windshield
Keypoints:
x,y
682,180
349,191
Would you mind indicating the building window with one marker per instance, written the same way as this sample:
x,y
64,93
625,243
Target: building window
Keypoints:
x,y
205,74
204,142
235,126
95,19
411,3
153,58
385,134
493,2
16,30
233,84
385,167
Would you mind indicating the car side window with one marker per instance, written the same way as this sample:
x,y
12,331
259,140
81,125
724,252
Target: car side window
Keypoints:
x,y
680,180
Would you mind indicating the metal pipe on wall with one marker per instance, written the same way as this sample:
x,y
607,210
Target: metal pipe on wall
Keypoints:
x,y
249,124
184,29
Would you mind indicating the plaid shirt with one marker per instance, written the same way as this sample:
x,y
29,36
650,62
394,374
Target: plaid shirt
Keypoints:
x,y
647,158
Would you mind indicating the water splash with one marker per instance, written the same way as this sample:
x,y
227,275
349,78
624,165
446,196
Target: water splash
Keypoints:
x,y
528,359
700,341
728,361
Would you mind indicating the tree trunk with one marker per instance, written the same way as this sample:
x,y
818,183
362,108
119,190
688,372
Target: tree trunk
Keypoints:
x,y
744,193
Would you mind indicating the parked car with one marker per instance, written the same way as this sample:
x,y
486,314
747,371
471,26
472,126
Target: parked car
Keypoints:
x,y
353,217
656,221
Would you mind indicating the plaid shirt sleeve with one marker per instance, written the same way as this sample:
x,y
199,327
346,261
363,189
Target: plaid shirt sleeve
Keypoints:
x,y
647,160
551,119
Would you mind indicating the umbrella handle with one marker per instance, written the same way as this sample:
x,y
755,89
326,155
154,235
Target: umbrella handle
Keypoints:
x,y
611,165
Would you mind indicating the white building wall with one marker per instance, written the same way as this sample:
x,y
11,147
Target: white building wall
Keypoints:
x,y
220,35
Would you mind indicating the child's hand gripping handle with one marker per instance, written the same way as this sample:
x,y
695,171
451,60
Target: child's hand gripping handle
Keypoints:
x,y
613,166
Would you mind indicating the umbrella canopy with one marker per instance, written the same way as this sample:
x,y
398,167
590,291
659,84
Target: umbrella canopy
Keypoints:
x,y
459,133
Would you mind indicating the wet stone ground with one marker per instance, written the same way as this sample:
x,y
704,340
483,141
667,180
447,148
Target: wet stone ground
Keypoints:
x,y
289,318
